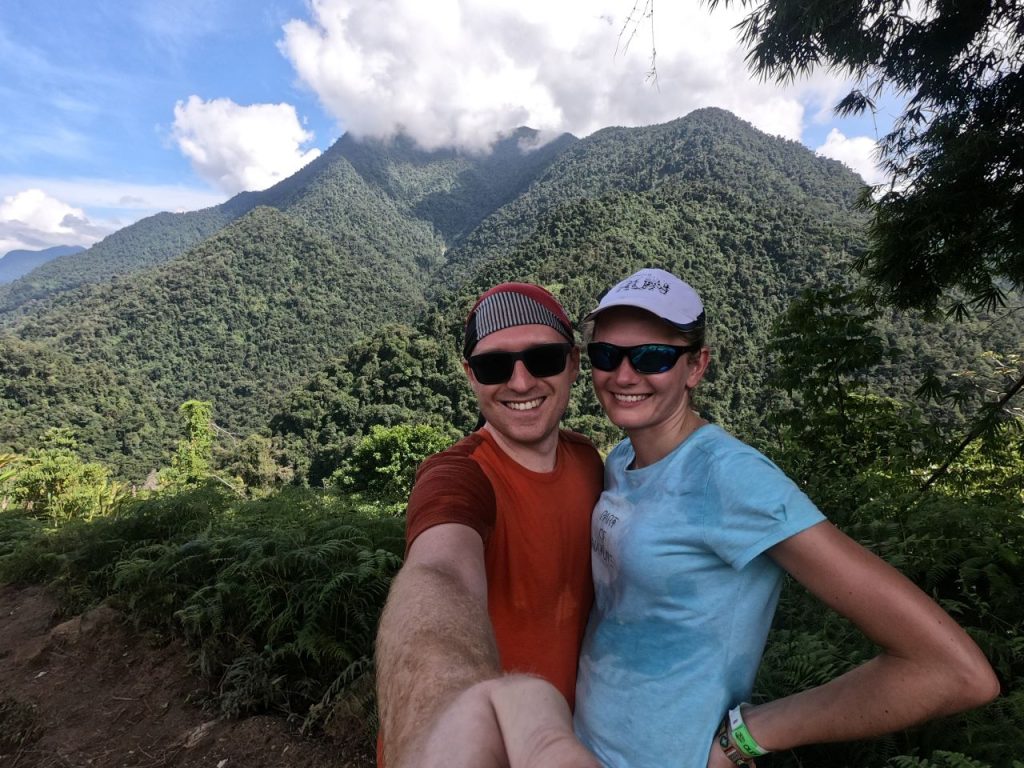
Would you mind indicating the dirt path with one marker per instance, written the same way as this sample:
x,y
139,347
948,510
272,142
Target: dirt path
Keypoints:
x,y
91,692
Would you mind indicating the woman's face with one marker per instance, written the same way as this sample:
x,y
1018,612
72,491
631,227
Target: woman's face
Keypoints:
x,y
638,402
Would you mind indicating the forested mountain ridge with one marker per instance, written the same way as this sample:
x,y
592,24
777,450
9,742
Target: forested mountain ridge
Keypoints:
x,y
453,190
148,242
441,194
237,320
750,220
240,316
289,314
709,149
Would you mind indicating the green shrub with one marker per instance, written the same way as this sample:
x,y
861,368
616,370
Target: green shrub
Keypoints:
x,y
53,481
383,463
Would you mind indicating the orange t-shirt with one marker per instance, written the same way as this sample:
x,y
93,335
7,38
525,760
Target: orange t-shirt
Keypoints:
x,y
536,532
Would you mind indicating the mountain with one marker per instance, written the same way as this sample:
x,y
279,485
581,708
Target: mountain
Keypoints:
x,y
710,151
17,263
287,278
750,220
446,192
334,300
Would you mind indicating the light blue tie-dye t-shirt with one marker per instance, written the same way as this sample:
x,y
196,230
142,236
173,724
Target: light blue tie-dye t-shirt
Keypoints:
x,y
684,596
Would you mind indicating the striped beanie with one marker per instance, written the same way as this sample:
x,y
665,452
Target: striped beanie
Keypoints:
x,y
511,304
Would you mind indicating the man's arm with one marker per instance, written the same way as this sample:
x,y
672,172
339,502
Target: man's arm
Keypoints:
x,y
435,638
516,721
928,666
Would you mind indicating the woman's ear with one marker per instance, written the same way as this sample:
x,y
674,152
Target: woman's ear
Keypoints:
x,y
698,367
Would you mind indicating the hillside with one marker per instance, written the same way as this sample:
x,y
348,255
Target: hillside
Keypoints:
x,y
241,316
710,151
727,201
750,220
309,309
237,320
148,242
446,192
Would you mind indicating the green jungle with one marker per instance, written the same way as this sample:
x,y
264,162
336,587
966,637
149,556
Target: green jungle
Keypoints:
x,y
212,419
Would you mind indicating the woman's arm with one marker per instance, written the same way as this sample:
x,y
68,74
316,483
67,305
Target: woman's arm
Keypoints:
x,y
928,667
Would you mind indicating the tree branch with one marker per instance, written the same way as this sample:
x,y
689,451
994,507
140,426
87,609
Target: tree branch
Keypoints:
x,y
971,437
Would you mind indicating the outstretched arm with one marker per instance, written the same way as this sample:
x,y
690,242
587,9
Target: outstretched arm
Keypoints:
x,y
443,702
435,638
928,666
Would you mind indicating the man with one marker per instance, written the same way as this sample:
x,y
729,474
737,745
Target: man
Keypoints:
x,y
497,570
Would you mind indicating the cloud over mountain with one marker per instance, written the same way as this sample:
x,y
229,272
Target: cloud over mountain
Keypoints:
x,y
460,72
857,153
241,148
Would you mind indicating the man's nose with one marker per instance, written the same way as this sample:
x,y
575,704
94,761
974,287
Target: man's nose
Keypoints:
x,y
521,378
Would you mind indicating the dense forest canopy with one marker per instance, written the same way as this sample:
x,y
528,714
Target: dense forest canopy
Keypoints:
x,y
281,299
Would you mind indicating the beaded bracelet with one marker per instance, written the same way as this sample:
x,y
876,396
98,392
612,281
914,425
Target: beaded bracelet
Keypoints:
x,y
740,735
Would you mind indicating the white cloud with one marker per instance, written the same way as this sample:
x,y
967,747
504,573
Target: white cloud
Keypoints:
x,y
237,147
38,212
32,220
122,200
459,72
857,153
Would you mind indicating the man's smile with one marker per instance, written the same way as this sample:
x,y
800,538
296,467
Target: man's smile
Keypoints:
x,y
524,405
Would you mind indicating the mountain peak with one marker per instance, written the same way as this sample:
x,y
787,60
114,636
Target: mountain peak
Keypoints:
x,y
14,264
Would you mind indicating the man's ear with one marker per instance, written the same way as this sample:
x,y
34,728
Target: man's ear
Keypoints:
x,y
574,361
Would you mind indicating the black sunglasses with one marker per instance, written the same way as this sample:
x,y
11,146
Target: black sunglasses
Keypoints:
x,y
541,361
645,358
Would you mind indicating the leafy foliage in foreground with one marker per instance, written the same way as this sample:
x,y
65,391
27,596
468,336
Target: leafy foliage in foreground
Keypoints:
x,y
863,459
279,598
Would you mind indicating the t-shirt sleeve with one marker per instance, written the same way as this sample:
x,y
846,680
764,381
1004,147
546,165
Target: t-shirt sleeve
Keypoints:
x,y
450,489
751,506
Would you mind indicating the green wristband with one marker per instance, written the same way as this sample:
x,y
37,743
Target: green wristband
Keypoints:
x,y
736,757
741,735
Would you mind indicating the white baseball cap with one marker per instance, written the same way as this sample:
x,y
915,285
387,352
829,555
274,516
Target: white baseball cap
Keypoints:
x,y
659,292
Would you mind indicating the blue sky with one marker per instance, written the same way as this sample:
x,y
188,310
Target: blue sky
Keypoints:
x,y
116,110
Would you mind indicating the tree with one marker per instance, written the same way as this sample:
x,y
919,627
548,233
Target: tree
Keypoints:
x,y
951,219
190,464
384,462
53,480
950,222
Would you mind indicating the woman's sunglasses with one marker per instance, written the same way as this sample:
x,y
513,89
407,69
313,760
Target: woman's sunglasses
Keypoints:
x,y
645,358
541,361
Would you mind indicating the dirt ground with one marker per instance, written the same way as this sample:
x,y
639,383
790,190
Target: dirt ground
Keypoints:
x,y
90,691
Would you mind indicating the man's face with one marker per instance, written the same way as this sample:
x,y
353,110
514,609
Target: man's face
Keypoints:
x,y
523,412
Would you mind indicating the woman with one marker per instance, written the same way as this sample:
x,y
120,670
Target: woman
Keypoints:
x,y
690,541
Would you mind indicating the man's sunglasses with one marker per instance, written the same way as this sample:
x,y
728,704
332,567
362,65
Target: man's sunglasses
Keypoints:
x,y
541,361
645,358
